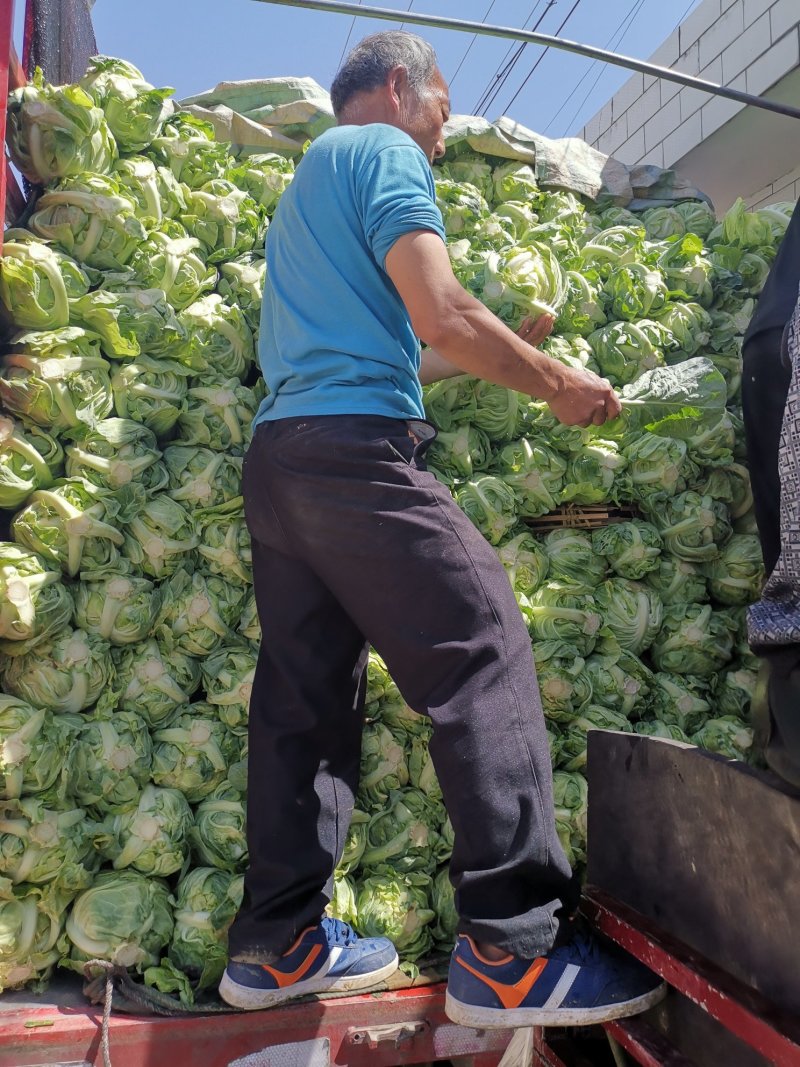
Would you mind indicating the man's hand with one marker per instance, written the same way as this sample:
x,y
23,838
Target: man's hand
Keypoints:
x,y
585,400
534,331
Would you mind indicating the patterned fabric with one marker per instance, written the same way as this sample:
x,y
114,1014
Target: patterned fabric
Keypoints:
x,y
775,618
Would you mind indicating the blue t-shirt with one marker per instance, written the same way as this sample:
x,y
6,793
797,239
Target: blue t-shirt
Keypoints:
x,y
335,337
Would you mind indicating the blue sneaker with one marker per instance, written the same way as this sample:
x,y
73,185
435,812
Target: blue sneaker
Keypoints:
x,y
329,958
577,984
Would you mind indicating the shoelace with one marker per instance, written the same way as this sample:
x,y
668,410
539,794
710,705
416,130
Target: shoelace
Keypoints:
x,y
338,932
582,949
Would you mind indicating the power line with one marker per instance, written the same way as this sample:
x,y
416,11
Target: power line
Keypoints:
x,y
471,43
501,67
347,41
636,10
513,62
411,4
544,52
586,74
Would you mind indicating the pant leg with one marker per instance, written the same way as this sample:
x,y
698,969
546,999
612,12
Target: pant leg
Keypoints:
x,y
429,593
765,384
306,714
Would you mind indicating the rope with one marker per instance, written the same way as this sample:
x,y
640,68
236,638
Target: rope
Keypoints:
x,y
105,1034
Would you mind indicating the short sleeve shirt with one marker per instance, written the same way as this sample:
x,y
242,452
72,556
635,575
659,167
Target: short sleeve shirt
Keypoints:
x,y
335,337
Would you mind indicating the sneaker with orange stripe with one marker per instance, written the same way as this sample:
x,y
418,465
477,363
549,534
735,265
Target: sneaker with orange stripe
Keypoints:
x,y
577,984
329,958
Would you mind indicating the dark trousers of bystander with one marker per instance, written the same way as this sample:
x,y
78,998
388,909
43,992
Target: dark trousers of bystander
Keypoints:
x,y
765,384
354,543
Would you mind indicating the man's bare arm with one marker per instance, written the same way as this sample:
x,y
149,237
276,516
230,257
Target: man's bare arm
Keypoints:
x,y
468,336
433,367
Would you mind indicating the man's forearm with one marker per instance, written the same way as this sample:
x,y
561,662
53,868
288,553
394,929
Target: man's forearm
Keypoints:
x,y
474,341
433,367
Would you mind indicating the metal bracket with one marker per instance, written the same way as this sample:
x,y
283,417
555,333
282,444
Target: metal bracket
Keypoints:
x,y
396,1033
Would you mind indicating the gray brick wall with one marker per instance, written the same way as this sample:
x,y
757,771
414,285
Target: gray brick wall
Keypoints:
x,y
747,44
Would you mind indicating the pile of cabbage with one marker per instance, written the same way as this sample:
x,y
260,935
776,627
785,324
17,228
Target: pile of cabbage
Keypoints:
x,y
128,626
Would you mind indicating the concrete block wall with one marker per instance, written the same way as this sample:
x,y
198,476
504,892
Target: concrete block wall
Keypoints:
x,y
746,44
786,188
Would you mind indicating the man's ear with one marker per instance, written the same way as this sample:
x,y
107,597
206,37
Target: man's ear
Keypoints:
x,y
397,84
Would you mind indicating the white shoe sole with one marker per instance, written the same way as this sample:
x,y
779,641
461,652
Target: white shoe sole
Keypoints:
x,y
511,1018
242,996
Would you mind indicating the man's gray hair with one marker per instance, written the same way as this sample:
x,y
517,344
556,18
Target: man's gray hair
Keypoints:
x,y
368,65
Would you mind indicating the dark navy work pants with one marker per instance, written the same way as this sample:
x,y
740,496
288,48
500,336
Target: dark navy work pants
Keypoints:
x,y
354,543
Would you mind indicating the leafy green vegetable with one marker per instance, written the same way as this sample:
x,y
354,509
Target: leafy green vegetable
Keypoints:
x,y
60,388
109,761
70,525
535,474
693,527
404,833
131,322
490,504
34,605
560,611
32,938
55,131
201,478
199,612
241,282
219,415
152,837
218,834
224,219
398,906
192,752
633,549
37,282
160,538
737,575
572,559
68,672
115,453
384,768
224,542
134,110
677,581
124,917
40,845
151,392
631,611
228,675
525,562
186,145
264,176
155,678
693,640
618,680
575,740
23,469
90,219
726,735
169,260
205,905
32,746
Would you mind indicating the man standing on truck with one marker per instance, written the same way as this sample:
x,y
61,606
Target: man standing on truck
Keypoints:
x,y
354,543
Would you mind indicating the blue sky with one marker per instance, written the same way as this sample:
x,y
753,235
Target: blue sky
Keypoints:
x,y
193,44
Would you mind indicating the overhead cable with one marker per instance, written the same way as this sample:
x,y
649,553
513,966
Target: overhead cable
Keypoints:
x,y
587,73
593,86
513,33
544,52
471,43
498,86
347,41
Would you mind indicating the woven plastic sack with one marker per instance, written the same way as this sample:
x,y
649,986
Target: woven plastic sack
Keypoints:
x,y
265,115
